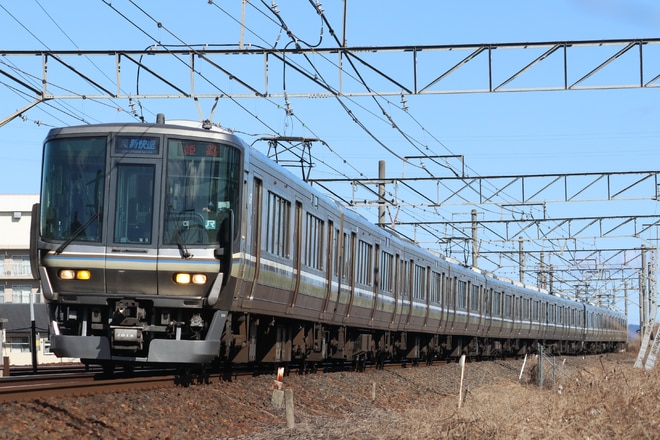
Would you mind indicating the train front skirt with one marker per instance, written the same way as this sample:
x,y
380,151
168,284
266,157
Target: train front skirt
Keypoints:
x,y
160,350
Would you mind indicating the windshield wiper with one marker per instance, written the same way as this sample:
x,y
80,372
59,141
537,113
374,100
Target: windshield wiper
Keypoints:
x,y
77,232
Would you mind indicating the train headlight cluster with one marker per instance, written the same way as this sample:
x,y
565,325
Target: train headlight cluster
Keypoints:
x,y
72,274
187,278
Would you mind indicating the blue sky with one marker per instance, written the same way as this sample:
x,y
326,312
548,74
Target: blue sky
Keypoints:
x,y
498,133
504,133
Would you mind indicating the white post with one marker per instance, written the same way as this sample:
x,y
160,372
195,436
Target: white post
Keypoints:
x,y
460,391
288,408
2,338
523,367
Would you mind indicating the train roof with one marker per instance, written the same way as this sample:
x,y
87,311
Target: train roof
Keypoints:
x,y
188,125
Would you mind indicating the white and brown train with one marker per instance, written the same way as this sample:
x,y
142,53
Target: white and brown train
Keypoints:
x,y
172,243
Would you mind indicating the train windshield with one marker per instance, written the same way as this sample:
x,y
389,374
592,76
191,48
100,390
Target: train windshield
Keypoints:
x,y
72,188
203,185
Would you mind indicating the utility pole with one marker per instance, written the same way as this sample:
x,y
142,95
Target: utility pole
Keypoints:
x,y
240,44
521,259
643,298
475,247
381,193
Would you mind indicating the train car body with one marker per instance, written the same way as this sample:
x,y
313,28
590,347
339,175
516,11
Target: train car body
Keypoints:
x,y
171,243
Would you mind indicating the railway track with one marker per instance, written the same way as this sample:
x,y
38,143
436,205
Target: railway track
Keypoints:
x,y
73,380
16,388
77,380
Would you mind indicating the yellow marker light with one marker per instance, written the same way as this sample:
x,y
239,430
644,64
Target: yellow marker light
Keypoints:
x,y
83,275
199,278
67,274
182,278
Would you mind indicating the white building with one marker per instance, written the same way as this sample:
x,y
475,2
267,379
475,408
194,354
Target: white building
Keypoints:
x,y
18,288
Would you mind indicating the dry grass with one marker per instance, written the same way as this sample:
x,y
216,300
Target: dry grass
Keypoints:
x,y
581,398
596,398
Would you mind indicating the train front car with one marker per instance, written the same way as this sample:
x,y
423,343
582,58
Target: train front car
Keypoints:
x,y
133,245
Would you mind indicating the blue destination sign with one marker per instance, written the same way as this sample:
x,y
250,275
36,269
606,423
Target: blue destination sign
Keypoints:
x,y
136,145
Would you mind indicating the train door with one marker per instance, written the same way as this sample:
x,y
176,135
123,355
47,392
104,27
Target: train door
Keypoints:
x,y
350,272
427,295
255,242
451,304
444,313
397,274
330,267
488,308
132,226
297,250
376,280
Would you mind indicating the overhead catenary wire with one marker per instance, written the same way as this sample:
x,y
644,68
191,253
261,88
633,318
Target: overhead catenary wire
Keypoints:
x,y
387,116
350,113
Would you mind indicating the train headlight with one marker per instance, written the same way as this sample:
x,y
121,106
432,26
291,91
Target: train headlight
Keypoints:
x,y
71,274
186,278
199,278
83,275
182,278
67,274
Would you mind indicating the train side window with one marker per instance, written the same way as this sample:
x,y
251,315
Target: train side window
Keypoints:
x,y
461,295
386,271
525,308
315,227
436,287
419,286
508,306
475,299
551,314
278,228
497,303
535,311
364,263
451,293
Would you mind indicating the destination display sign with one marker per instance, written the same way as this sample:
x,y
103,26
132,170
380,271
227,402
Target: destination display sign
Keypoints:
x,y
137,145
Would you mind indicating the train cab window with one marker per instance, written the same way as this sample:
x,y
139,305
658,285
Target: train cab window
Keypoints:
x,y
73,188
203,187
134,204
